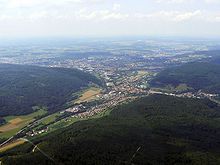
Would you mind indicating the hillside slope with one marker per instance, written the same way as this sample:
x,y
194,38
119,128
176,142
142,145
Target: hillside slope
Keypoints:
x,y
214,56
23,87
152,130
198,76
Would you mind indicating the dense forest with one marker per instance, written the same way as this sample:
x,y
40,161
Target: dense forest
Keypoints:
x,y
2,121
198,75
23,87
152,130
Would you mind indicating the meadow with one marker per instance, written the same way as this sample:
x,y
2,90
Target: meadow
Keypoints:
x,y
15,123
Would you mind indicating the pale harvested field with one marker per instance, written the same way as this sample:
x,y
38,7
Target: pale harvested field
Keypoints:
x,y
14,123
11,145
89,95
142,73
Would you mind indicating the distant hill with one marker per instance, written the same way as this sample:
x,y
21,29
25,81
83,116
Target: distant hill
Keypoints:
x,y
198,75
214,56
23,87
153,130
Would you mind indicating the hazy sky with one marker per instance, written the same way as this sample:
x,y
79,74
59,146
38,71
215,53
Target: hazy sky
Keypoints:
x,y
30,18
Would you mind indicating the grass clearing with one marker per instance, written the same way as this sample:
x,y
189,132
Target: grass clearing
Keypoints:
x,y
89,95
50,118
70,120
102,114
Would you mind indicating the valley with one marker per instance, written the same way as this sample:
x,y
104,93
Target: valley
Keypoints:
x,y
109,82
118,84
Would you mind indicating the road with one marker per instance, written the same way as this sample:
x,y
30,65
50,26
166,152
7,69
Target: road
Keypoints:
x,y
36,147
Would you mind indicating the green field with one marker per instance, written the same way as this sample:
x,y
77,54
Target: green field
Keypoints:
x,y
16,123
53,126
70,120
49,119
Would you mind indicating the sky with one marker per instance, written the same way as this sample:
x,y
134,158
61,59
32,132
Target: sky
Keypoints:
x,y
103,18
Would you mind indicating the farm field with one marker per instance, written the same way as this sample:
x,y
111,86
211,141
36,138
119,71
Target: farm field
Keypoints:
x,y
12,145
142,73
51,118
88,95
15,123
55,126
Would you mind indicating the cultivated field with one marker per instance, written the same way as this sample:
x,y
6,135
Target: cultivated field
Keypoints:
x,y
11,145
89,95
142,73
15,123
51,118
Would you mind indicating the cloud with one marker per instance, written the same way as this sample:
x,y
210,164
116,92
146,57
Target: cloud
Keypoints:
x,y
116,6
85,14
33,10
187,16
212,17
174,1
212,1
217,18
14,4
107,17
194,2
175,16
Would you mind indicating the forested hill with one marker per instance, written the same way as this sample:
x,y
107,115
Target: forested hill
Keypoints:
x,y
198,75
213,56
23,87
153,130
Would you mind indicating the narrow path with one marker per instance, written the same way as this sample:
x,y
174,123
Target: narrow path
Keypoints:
x,y
133,156
36,147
